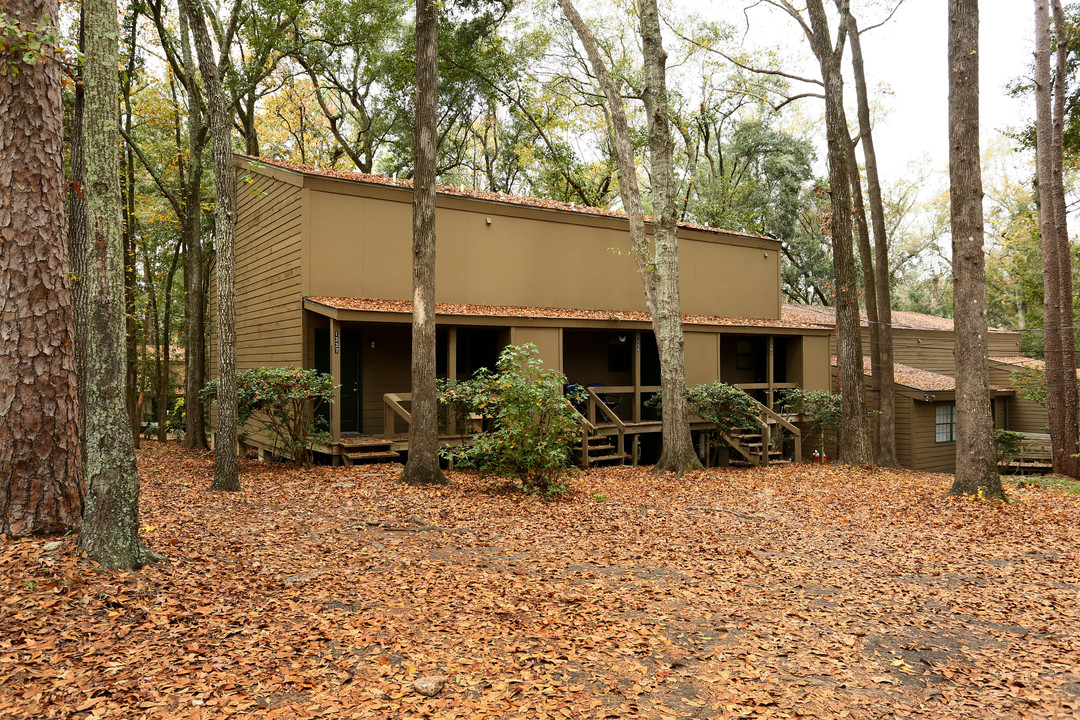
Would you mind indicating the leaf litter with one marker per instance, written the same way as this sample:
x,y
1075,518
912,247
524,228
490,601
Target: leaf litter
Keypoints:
x,y
800,591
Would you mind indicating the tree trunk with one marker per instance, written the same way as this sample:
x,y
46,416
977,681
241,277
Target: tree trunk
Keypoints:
x,y
194,275
76,227
866,258
855,447
422,467
110,531
40,469
1071,404
677,454
886,420
129,224
226,460
976,461
1057,266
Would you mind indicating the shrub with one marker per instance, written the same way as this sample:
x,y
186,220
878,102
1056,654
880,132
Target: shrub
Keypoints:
x,y
277,400
725,406
819,408
532,426
1007,443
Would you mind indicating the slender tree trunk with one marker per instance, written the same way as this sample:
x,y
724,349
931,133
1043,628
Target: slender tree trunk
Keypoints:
x,y
976,461
866,258
1061,232
194,264
422,467
76,226
170,277
226,460
110,531
1058,340
855,447
677,454
40,470
883,372
129,224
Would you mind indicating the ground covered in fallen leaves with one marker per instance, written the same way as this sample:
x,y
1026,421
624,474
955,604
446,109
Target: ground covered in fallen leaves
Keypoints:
x,y
797,591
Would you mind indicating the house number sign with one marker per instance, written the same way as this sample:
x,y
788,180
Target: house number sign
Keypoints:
x,y
337,342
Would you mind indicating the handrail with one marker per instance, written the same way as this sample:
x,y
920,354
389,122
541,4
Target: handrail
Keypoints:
x,y
586,426
595,401
392,406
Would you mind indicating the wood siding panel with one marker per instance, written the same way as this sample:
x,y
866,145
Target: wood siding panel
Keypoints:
x,y
930,455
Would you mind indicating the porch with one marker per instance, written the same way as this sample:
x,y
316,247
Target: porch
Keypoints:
x,y
618,367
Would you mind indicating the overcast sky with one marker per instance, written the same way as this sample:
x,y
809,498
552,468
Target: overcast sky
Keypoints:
x,y
908,56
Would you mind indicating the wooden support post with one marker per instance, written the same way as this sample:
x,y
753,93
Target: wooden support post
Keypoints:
x,y
771,379
451,372
637,381
335,374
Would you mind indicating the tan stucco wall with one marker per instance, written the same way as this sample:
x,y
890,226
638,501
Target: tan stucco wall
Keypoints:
x,y
816,368
489,253
548,342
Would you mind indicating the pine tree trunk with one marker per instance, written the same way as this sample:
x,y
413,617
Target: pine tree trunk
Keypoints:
x,y
194,267
1071,404
422,467
677,454
40,469
110,531
976,461
226,460
886,420
855,447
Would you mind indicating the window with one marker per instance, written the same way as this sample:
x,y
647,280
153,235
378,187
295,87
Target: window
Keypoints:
x,y
945,423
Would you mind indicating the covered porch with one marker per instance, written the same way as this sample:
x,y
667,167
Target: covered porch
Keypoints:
x,y
616,361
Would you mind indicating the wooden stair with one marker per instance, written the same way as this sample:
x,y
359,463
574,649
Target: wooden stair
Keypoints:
x,y
362,450
601,449
749,444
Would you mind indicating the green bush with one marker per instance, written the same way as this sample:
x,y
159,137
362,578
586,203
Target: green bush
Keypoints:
x,y
530,427
820,410
283,401
725,406
1007,443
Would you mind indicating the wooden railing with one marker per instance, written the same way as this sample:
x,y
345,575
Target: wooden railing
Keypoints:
x,y
393,409
766,418
595,402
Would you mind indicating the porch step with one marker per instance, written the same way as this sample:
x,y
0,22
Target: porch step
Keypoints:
x,y
376,456
602,458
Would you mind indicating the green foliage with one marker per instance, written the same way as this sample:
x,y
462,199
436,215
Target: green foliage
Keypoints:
x,y
725,406
1030,383
820,410
533,427
31,43
1007,443
284,402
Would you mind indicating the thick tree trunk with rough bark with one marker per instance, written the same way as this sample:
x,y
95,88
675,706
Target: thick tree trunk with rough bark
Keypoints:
x,y
40,470
976,461
110,531
226,460
1057,266
422,467
677,454
883,370
855,446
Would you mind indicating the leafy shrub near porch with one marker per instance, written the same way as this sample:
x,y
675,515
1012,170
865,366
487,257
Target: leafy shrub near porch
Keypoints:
x,y
532,426
725,406
277,400
1007,443
820,410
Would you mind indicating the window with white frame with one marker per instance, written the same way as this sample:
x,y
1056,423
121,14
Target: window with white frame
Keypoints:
x,y
945,423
